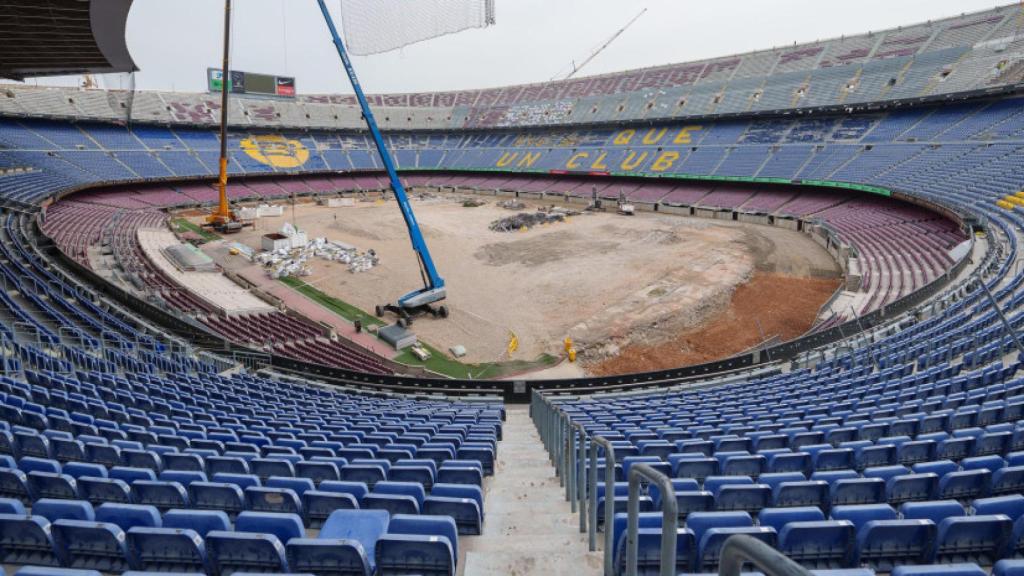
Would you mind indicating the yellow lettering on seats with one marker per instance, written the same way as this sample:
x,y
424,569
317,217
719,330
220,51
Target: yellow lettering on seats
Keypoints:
x,y
599,163
528,159
684,136
624,138
506,159
633,161
653,137
574,161
664,161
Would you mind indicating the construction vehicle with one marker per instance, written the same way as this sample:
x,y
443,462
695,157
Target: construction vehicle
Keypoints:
x,y
223,220
423,300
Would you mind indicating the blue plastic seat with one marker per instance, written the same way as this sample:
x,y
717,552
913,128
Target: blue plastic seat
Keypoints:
x,y
317,471
279,500
710,544
358,490
697,468
911,487
319,504
745,497
1008,567
51,485
328,557
436,553
234,552
297,485
26,540
821,544
1012,506
368,474
965,484
128,516
183,477
778,517
91,545
100,490
885,544
14,484
243,481
12,506
977,539
226,465
200,521
462,503
392,503
806,493
130,475
862,514
934,510
364,527
217,496
162,495
54,510
266,467
79,469
283,526
852,491
49,571
167,550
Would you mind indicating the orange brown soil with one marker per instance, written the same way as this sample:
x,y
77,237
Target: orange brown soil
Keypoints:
x,y
786,307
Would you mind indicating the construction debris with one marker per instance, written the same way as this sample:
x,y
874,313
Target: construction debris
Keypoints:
x,y
295,262
511,205
527,220
473,203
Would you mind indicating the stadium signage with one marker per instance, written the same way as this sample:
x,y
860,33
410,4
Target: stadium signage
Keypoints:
x,y
250,83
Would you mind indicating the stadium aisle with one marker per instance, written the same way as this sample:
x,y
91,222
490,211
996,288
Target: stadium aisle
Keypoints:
x,y
528,528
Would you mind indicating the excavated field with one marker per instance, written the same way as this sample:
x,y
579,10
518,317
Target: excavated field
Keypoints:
x,y
634,293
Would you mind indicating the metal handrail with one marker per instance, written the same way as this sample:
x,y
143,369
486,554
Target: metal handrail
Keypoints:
x,y
581,473
740,549
669,519
609,510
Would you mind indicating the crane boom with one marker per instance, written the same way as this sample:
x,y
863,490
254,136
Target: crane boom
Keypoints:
x,y
606,44
433,285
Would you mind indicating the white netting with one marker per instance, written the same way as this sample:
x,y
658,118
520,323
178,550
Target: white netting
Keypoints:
x,y
374,26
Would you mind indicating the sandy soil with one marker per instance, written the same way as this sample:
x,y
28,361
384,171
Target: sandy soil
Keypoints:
x,y
607,281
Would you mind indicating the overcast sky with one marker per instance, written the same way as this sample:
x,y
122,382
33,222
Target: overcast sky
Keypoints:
x,y
173,42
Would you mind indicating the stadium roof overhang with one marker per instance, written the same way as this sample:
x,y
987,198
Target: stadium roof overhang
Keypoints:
x,y
54,37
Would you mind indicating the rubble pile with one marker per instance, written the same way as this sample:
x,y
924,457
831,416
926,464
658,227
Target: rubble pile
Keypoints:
x,y
527,220
296,261
511,205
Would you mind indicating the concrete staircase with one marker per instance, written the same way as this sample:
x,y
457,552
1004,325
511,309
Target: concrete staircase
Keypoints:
x,y
528,528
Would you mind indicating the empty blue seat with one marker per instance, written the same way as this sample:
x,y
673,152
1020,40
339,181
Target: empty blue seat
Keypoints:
x,y
130,475
710,544
778,517
978,539
852,491
266,467
92,545
328,557
279,500
1008,567
884,544
51,485
128,516
14,484
364,527
965,485
368,474
233,552
678,485
26,540
934,510
297,485
819,544
217,496
427,525
78,469
746,497
912,487
392,503
11,506
48,571
183,477
319,504
54,510
1012,506
862,514
283,526
226,465
243,481
162,495
99,490
317,471
199,521
462,503
167,550
697,468
806,493
1007,480
184,462
358,490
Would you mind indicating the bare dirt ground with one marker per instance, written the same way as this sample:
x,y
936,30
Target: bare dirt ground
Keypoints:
x,y
614,284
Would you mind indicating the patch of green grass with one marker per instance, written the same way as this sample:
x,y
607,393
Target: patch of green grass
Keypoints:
x,y
439,362
343,309
183,225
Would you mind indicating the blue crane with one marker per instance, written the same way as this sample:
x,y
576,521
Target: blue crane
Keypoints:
x,y
418,301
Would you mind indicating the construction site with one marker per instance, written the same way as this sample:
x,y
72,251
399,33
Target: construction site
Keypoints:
x,y
632,293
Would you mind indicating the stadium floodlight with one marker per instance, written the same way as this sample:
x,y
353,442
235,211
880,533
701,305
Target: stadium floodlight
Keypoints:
x,y
375,26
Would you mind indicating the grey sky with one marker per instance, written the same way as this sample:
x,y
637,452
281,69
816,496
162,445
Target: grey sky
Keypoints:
x,y
173,42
